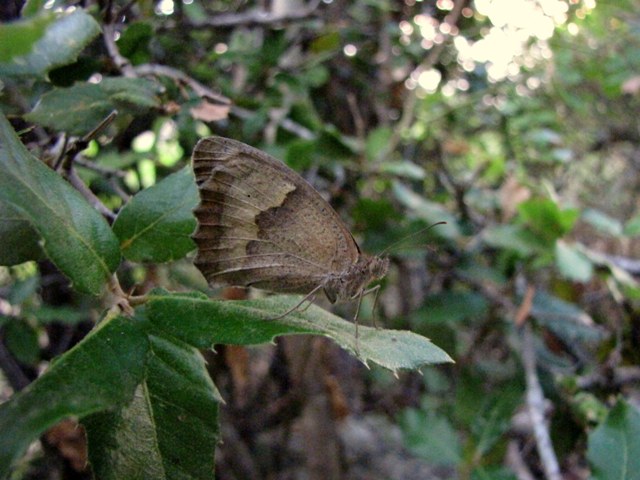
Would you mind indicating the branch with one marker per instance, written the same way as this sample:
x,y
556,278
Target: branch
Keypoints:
x,y
285,123
630,265
615,378
108,171
535,404
516,462
86,192
121,63
180,77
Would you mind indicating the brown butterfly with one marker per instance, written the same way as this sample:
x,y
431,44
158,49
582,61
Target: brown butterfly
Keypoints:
x,y
260,224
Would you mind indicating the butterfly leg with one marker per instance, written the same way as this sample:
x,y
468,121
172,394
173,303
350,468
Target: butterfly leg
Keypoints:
x,y
309,303
375,289
308,297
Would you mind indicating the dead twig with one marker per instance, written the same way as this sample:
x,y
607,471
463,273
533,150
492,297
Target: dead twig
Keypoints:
x,y
617,377
95,202
180,77
536,406
109,172
516,462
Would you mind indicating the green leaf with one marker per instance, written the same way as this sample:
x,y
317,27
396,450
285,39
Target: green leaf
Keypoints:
x,y
300,153
546,219
377,142
155,226
603,222
100,372
632,227
32,7
431,436
76,238
48,314
37,44
512,237
614,447
134,42
565,319
403,168
18,238
572,263
452,306
428,211
493,417
201,322
78,109
22,341
172,421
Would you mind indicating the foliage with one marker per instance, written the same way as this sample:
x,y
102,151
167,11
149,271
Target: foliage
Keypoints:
x,y
392,111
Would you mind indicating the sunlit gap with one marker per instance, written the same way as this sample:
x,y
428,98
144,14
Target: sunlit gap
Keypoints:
x,y
517,38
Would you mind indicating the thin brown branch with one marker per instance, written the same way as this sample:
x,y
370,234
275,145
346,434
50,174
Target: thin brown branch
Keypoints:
x,y
109,172
536,407
205,92
516,462
285,123
358,121
69,153
109,34
180,77
79,185
617,377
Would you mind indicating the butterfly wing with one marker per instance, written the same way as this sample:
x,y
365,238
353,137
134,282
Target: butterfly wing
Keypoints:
x,y
261,224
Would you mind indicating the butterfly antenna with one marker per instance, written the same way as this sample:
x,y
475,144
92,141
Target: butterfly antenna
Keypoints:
x,y
404,239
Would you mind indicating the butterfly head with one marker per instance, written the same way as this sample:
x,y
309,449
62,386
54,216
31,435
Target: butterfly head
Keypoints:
x,y
350,283
378,267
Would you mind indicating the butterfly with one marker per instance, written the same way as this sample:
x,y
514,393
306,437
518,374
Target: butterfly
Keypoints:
x,y
260,224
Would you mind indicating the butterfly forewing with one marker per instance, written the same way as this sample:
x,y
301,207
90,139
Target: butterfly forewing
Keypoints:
x,y
261,224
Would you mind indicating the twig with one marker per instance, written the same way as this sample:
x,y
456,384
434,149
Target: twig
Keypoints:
x,y
516,462
618,377
63,152
205,92
256,17
79,185
358,121
118,190
121,63
124,10
68,155
535,404
181,77
108,171
285,123
630,265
